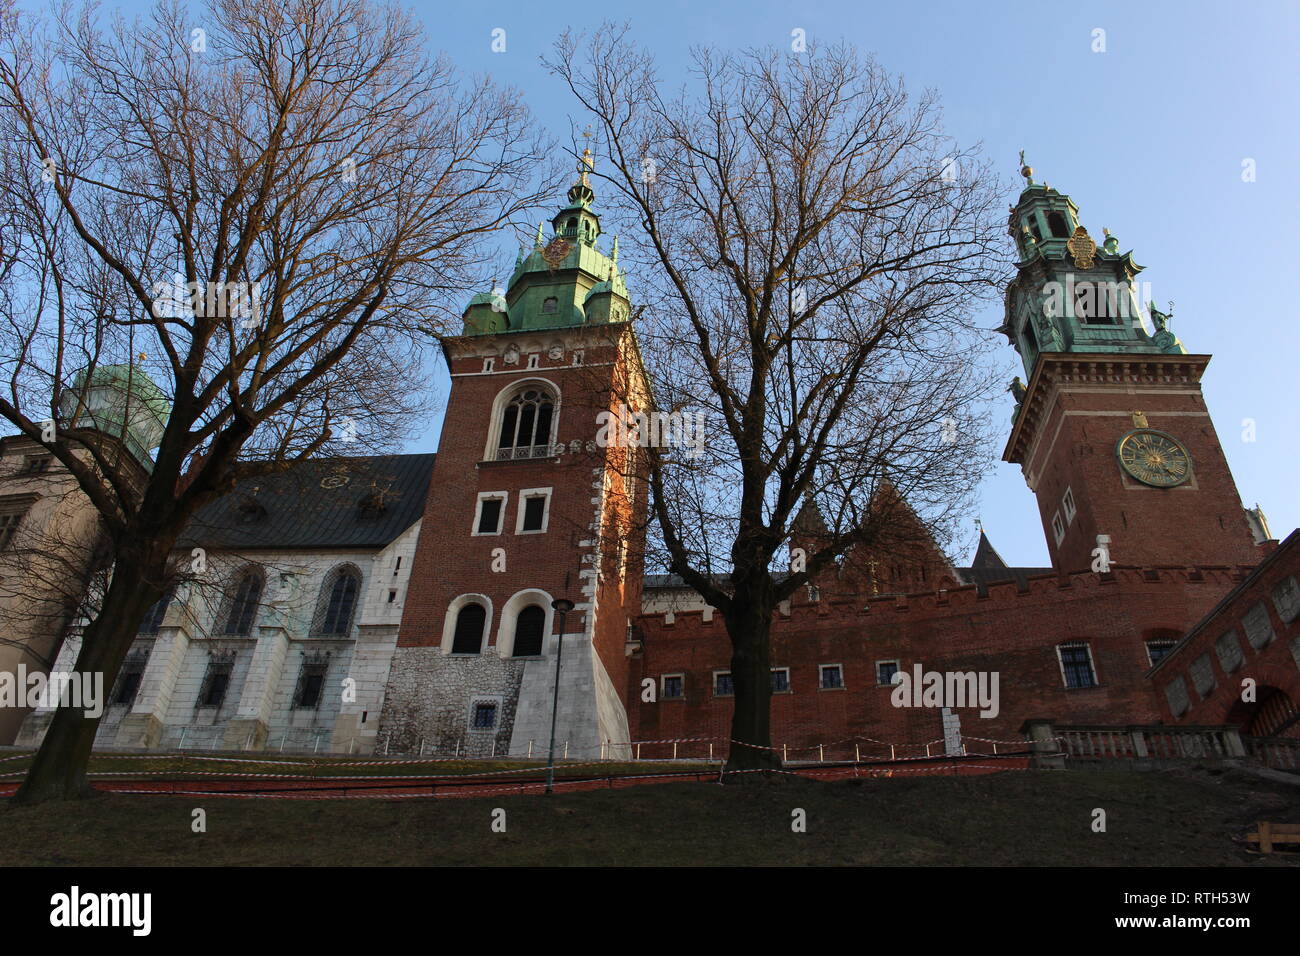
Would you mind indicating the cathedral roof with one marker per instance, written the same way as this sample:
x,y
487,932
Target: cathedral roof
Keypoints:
x,y
322,503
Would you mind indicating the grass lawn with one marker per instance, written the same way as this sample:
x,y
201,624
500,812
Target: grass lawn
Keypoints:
x,y
1184,817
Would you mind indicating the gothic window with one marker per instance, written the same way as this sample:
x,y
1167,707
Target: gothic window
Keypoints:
x,y
529,629
338,603
526,424
1056,223
311,681
153,618
1076,664
243,607
468,637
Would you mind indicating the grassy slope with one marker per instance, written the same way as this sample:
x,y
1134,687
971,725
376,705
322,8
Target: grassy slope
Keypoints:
x,y
1026,818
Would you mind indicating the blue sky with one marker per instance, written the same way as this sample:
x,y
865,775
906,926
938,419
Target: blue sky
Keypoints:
x,y
1148,138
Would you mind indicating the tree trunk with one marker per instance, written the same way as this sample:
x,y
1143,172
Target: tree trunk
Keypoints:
x,y
59,770
750,625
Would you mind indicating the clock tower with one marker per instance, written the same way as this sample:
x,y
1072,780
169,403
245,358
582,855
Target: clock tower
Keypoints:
x,y
1111,432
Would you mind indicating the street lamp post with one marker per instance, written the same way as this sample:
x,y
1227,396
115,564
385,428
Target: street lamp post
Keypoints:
x,y
564,606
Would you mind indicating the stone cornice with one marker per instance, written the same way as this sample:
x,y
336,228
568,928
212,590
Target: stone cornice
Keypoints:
x,y
1056,370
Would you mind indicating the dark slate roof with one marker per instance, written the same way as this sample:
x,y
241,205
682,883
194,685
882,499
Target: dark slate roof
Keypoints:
x,y
983,577
320,503
986,556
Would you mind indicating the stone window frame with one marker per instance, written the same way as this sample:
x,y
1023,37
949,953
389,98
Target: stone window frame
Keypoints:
x,y
789,686
1068,505
504,498
663,686
508,394
475,700
714,683
821,676
326,596
236,596
1058,528
313,664
898,669
453,612
1092,665
218,661
521,509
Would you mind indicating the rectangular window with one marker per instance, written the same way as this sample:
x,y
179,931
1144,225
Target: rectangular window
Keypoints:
x,y
215,682
9,522
534,511
885,671
491,508
832,677
1058,527
485,715
1067,503
722,684
128,681
1228,647
1157,650
780,680
673,687
35,464
1076,665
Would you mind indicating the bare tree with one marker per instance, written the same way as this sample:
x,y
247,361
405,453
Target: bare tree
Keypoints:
x,y
808,247
238,220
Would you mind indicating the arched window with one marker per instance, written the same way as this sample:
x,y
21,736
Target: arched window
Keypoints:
x,y
528,631
550,305
526,425
243,608
468,638
338,603
1056,223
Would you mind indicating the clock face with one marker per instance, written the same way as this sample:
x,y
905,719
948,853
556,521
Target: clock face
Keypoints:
x,y
1154,458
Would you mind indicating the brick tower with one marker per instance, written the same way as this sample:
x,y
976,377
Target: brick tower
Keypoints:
x,y
527,506
1112,431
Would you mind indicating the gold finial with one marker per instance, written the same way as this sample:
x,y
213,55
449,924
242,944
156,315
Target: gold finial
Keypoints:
x,y
1026,170
1105,231
1139,420
144,357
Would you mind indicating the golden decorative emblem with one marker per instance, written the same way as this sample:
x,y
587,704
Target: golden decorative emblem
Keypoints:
x,y
1139,420
556,252
1082,248
1154,458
